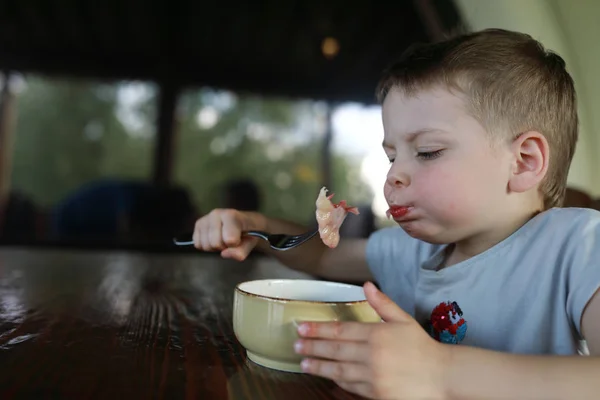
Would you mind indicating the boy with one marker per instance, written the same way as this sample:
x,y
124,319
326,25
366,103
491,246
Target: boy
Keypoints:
x,y
480,131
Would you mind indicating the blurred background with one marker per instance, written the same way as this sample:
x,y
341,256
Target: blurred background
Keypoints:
x,y
122,122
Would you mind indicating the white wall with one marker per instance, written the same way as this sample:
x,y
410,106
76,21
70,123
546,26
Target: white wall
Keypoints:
x,y
568,27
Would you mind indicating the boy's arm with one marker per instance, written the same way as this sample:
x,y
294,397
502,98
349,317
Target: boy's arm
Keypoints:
x,y
590,324
346,262
483,374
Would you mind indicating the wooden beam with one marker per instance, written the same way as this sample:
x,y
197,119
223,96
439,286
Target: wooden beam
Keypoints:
x,y
326,164
7,108
430,19
193,72
165,132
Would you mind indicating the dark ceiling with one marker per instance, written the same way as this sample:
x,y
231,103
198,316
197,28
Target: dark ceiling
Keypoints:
x,y
268,47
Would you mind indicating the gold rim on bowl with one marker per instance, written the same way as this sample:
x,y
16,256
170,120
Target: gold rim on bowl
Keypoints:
x,y
283,300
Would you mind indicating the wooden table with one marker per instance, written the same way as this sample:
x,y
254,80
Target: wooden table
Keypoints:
x,y
119,325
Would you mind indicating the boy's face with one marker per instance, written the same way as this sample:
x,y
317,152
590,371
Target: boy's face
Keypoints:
x,y
444,169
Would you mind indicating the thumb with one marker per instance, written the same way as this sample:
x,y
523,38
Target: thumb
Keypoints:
x,y
241,251
384,306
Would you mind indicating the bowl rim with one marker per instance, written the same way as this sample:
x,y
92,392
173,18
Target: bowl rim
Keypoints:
x,y
280,300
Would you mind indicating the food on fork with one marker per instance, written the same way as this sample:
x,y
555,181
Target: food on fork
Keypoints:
x,y
330,217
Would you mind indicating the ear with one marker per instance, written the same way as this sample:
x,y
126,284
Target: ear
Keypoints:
x,y
532,154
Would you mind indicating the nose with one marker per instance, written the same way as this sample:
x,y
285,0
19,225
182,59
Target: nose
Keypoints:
x,y
396,178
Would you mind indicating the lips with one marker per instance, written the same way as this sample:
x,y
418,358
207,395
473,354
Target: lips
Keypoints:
x,y
398,211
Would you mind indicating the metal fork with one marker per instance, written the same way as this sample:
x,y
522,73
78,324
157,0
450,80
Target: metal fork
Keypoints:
x,y
276,241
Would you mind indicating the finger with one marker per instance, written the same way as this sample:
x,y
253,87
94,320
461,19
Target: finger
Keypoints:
x,y
215,236
240,252
337,371
232,228
200,238
333,349
196,237
384,306
360,388
338,330
205,239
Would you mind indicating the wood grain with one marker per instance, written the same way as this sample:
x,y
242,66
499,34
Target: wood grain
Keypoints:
x,y
116,325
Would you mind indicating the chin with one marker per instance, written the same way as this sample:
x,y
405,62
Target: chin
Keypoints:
x,y
421,233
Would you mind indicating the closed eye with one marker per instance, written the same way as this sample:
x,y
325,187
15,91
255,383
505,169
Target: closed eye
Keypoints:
x,y
429,155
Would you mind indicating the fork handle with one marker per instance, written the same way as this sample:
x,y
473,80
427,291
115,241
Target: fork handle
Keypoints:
x,y
259,234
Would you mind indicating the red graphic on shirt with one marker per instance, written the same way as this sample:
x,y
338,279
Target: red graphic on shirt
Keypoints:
x,y
446,324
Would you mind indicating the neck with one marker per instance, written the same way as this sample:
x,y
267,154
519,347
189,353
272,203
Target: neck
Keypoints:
x,y
477,244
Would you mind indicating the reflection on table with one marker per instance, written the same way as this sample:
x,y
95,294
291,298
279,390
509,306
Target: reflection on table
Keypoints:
x,y
111,325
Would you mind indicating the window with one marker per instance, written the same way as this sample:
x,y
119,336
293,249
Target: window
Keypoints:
x,y
71,132
66,134
275,144
357,137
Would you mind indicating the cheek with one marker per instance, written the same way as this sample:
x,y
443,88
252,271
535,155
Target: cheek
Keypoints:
x,y
438,181
449,188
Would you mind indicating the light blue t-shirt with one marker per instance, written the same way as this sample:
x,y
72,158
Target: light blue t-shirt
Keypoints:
x,y
524,295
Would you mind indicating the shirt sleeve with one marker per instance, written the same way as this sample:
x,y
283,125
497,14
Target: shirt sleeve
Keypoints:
x,y
583,277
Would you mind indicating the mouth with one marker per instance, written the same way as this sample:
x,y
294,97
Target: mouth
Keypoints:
x,y
398,212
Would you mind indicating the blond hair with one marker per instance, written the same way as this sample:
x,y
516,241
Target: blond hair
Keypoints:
x,y
512,85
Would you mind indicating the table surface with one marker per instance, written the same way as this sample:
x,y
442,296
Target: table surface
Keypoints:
x,y
123,325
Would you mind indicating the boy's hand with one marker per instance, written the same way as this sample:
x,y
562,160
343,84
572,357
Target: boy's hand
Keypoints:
x,y
221,230
391,360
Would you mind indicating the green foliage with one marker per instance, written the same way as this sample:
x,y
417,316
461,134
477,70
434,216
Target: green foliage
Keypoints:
x,y
67,134
72,132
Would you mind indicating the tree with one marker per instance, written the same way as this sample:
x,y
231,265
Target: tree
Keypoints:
x,y
67,134
71,132
275,142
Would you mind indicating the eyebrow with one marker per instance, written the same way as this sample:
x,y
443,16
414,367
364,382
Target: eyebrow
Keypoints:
x,y
411,136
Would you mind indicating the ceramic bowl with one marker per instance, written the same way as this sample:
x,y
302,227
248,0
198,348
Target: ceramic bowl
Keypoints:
x,y
266,314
